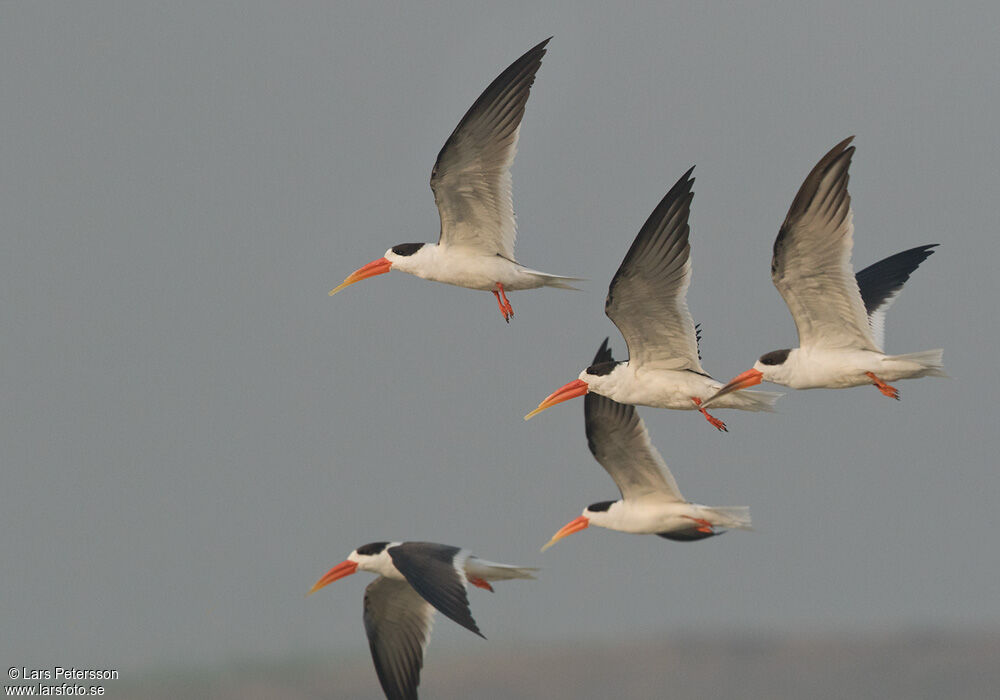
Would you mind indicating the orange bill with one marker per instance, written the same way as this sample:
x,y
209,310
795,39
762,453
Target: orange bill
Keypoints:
x,y
375,267
751,377
344,568
575,388
569,528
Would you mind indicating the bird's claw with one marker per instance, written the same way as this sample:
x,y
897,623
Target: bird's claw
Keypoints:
x,y
716,423
887,390
505,308
719,425
480,583
703,525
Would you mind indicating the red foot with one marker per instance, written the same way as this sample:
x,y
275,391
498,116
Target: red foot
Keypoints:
x,y
706,526
890,391
480,583
505,308
718,424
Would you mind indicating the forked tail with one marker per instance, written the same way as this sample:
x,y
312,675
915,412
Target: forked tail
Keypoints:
x,y
558,281
731,517
492,571
930,360
749,400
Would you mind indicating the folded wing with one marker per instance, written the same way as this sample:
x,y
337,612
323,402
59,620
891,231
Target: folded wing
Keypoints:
x,y
437,573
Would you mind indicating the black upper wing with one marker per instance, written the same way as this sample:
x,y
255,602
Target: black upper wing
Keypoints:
x,y
436,572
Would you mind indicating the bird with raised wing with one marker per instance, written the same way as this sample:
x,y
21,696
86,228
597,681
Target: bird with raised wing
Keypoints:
x,y
472,188
651,502
415,579
839,316
647,301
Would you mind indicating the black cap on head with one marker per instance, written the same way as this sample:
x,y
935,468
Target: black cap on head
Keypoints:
x,y
601,507
407,249
603,362
372,548
775,357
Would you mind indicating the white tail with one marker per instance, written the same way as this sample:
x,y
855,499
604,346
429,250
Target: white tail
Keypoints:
x,y
749,400
492,571
557,281
735,517
930,360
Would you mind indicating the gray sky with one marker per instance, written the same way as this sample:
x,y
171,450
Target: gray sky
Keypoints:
x,y
193,431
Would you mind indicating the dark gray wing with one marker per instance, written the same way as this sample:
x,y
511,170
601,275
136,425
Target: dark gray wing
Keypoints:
x,y
881,282
437,572
647,298
692,534
811,266
603,353
398,622
471,178
619,441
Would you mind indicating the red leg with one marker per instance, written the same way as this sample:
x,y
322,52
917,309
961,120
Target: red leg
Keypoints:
x,y
890,391
719,425
503,310
480,583
706,526
508,310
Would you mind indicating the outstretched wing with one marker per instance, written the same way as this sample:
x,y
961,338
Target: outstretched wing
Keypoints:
x,y
471,178
619,441
647,298
880,283
811,266
398,623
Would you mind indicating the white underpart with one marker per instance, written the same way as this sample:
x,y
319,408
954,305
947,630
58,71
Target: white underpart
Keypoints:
x,y
663,388
651,516
812,368
472,268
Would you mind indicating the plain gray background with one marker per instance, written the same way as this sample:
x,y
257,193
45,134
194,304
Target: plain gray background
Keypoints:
x,y
193,431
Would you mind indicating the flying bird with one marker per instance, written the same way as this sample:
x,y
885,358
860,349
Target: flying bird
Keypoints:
x,y
472,188
647,302
415,578
840,316
651,503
